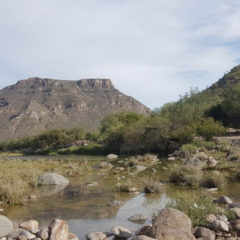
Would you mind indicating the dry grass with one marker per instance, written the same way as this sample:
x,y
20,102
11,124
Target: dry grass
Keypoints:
x,y
18,177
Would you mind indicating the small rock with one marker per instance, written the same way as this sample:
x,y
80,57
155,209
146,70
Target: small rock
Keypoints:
x,y
133,189
105,165
145,230
222,218
96,236
121,232
93,184
112,156
138,218
171,159
236,224
43,234
236,211
223,200
140,168
212,162
32,197
205,233
31,226
220,225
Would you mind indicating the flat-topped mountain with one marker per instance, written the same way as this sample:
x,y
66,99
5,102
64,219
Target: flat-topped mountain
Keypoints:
x,y
34,105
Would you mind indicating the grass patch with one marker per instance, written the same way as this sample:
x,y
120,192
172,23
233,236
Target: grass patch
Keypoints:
x,y
185,175
213,180
195,206
152,185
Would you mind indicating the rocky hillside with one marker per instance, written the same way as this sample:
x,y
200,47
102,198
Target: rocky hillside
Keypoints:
x,y
35,105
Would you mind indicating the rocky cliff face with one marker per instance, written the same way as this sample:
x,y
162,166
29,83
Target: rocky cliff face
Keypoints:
x,y
35,105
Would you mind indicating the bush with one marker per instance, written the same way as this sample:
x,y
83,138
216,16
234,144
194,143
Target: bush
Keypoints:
x,y
185,175
152,185
205,144
188,149
208,128
213,180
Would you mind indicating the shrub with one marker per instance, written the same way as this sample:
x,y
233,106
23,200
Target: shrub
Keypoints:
x,y
205,144
185,175
208,128
213,180
189,149
152,185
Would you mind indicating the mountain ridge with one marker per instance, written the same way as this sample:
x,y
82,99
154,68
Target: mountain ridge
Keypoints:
x,y
37,104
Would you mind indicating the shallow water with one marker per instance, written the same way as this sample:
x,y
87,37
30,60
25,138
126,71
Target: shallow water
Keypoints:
x,y
87,208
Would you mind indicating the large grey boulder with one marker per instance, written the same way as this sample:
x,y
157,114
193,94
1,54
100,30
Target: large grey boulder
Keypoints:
x,y
172,224
52,179
6,226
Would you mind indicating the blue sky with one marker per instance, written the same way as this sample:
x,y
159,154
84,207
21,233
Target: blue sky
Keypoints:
x,y
154,50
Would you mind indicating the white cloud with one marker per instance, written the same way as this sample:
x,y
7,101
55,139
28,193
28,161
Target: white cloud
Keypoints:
x,y
154,50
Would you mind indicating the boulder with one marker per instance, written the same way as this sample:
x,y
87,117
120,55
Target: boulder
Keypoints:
x,y
201,155
121,232
172,224
58,230
195,163
31,226
204,233
72,236
52,179
96,236
112,156
6,226
138,218
142,237
223,200
43,234
220,225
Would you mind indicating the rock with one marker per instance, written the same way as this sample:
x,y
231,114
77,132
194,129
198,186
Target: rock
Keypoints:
x,y
133,189
236,211
23,233
236,224
212,162
138,218
142,237
140,168
121,232
92,184
58,230
116,203
211,218
31,226
6,226
52,179
233,205
195,163
222,218
171,159
43,234
205,233
105,165
220,225
32,197
172,224
96,236
23,238
145,230
112,156
72,236
223,200
120,168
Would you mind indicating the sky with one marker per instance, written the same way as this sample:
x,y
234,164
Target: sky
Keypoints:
x,y
153,50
